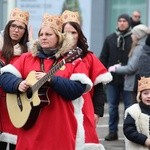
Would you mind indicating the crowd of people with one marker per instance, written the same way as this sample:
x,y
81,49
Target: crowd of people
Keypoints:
x,y
73,91
125,54
58,87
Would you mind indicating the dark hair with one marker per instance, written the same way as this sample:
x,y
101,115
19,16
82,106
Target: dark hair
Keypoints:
x,y
8,49
82,40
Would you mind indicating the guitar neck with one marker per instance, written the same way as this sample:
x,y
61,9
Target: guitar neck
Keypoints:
x,y
40,82
75,53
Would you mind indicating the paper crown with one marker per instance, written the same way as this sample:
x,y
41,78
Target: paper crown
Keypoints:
x,y
53,21
19,15
143,83
68,16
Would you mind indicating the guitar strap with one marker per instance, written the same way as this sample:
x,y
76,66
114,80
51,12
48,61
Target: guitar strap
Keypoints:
x,y
42,64
46,86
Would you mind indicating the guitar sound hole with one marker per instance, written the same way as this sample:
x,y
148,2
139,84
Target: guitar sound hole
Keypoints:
x,y
29,93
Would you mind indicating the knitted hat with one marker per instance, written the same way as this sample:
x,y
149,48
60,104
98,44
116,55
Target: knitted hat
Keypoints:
x,y
125,16
140,31
147,42
143,84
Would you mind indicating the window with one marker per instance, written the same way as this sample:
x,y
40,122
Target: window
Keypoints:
x,y
117,7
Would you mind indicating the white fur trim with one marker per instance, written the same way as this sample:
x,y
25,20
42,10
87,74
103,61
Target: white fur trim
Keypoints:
x,y
104,78
8,138
142,126
83,79
10,68
80,136
93,146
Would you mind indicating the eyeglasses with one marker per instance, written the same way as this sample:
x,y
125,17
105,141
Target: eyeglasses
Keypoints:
x,y
14,26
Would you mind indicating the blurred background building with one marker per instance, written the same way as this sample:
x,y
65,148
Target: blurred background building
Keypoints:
x,y
98,17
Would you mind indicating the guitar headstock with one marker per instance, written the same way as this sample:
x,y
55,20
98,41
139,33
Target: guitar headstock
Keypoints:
x,y
73,54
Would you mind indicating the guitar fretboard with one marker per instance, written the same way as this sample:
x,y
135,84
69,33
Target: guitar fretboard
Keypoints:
x,y
40,82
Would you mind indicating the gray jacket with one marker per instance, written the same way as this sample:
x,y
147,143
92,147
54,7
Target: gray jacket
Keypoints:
x,y
131,68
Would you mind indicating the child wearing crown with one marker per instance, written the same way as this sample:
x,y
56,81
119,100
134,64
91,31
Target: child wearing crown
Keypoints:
x,y
137,119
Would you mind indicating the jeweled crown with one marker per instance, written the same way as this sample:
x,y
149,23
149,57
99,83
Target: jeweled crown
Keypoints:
x,y
53,21
68,16
143,83
19,15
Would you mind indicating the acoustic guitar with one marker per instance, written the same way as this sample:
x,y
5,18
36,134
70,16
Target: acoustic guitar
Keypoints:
x,y
24,108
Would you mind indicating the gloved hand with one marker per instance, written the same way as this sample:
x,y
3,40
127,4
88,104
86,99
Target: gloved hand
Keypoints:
x,y
113,68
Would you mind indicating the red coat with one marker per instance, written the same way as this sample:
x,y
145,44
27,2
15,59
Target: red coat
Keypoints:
x,y
9,131
60,124
96,71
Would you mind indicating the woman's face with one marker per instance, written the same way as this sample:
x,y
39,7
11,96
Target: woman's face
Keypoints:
x,y
48,38
16,31
145,97
73,31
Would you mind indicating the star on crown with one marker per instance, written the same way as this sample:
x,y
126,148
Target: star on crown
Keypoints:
x,y
53,21
68,16
143,83
19,15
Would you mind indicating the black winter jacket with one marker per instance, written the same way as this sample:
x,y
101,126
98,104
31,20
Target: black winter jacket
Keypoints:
x,y
111,54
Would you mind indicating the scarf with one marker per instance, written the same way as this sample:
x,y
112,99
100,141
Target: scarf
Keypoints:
x,y
47,53
121,37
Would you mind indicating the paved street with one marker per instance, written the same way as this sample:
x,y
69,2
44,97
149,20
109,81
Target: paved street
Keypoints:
x,y
102,129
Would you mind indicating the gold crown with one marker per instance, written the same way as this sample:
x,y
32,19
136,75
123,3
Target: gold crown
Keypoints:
x,y
19,15
68,16
53,21
143,84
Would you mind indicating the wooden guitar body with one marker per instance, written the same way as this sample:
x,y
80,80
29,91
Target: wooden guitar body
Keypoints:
x,y
30,105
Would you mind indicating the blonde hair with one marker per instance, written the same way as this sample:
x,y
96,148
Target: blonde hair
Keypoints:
x,y
65,43
133,45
